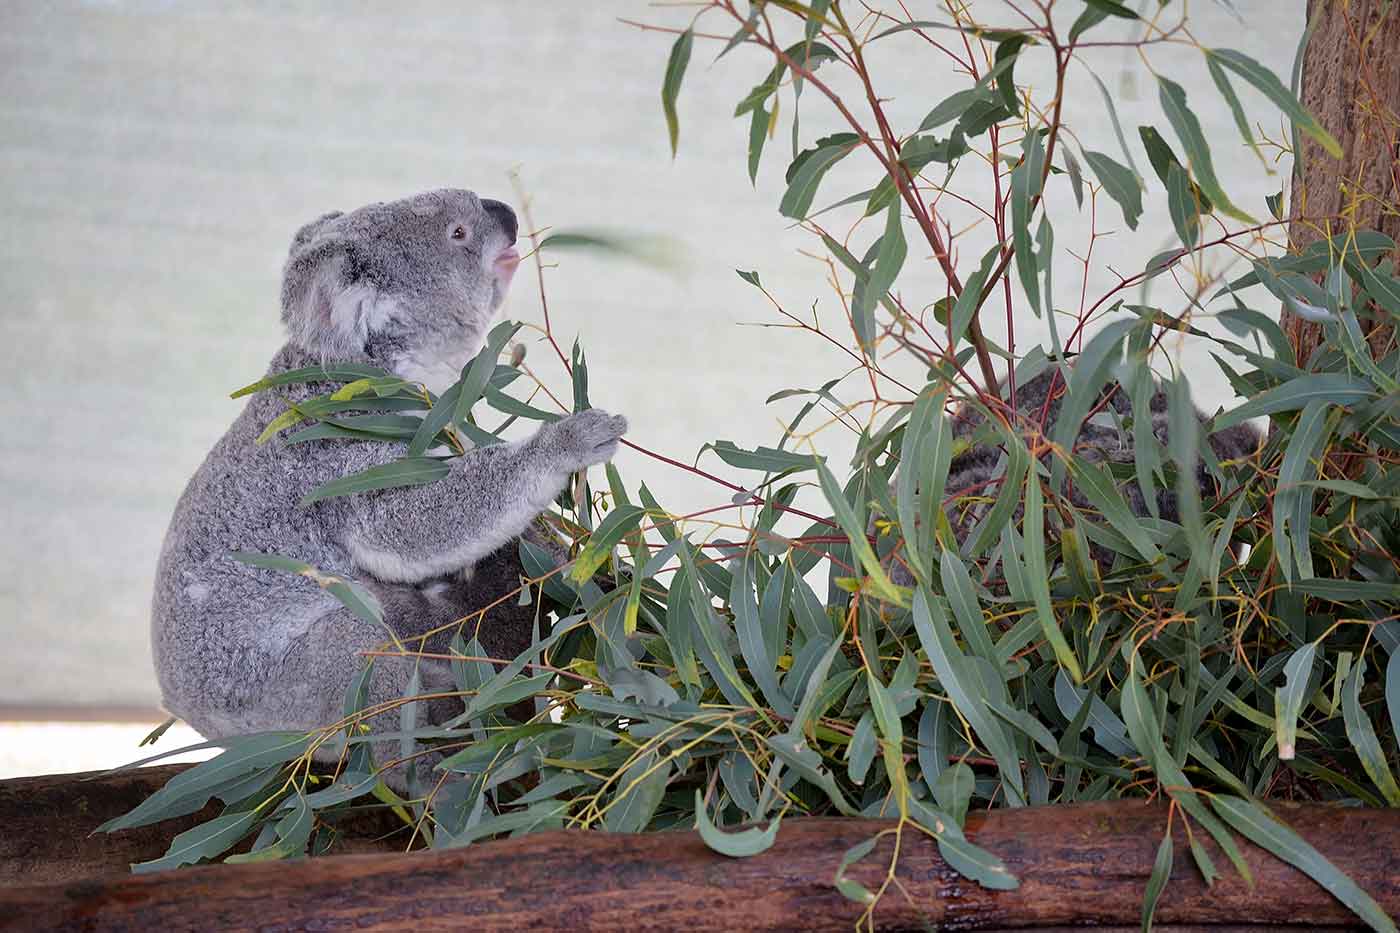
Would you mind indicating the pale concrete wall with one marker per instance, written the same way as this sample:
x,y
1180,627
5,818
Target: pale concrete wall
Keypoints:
x,y
156,155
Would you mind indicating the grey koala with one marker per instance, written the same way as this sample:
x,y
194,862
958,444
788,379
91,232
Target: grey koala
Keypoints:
x,y
974,473
410,286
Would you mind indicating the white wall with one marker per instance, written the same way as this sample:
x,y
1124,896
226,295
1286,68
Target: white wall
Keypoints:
x,y
156,156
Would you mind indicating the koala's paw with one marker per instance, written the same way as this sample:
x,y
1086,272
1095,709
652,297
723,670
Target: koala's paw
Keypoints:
x,y
586,438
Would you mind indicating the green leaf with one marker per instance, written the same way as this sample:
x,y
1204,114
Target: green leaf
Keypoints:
x,y
1098,487
378,386
966,305
927,449
621,520
760,123
798,755
740,844
713,653
547,814
1382,288
1362,736
849,887
962,596
1267,83
1184,446
1146,733
438,418
1288,699
1392,693
767,459
965,690
855,533
271,562
242,756
1076,176
203,841
1347,591
889,259
1259,826
953,791
861,752
354,596
1038,576
478,372
1008,496
1121,184
1188,130
886,716
918,151
579,365
743,603
1292,511
1157,881
1232,100
969,860
1006,53
951,108
1112,8
330,372
1087,20
671,84
293,831
1027,724
805,173
409,471
1025,187
1110,733
1117,126
359,427
1185,212
1334,388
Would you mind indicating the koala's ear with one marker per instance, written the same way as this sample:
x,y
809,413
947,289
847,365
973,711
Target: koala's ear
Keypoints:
x,y
326,310
310,231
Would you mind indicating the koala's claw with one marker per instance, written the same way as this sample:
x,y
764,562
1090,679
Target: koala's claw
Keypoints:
x,y
587,438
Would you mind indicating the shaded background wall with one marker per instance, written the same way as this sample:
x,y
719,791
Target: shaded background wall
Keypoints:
x,y
156,156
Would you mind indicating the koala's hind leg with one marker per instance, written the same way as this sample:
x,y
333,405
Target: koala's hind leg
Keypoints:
x,y
317,671
484,603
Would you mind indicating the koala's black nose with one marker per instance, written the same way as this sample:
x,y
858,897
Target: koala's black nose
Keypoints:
x,y
504,216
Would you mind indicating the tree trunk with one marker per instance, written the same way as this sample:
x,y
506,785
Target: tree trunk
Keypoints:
x,y
1351,83
1080,864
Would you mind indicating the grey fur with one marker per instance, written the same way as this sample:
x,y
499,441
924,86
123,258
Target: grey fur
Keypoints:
x,y
240,649
973,475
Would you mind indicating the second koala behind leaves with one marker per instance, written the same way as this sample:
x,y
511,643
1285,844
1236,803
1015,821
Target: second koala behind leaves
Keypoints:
x,y
974,473
409,286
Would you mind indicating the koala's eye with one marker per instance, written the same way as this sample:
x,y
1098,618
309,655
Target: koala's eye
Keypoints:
x,y
459,232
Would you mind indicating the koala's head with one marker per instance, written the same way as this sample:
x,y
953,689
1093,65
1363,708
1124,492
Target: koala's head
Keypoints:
x,y
410,285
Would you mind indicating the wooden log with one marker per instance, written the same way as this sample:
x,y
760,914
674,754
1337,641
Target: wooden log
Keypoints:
x,y
1082,864
46,822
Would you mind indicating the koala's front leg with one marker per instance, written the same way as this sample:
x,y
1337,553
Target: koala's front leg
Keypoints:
x,y
489,498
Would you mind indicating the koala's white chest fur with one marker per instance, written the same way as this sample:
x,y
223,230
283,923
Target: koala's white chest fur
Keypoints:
x,y
436,374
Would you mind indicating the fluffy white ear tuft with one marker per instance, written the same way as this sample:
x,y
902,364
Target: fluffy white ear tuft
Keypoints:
x,y
325,313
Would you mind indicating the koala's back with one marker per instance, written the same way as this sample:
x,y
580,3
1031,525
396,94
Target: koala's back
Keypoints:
x,y
1104,438
214,619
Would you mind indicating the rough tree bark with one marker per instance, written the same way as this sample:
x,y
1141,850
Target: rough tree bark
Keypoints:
x,y
1079,864
1351,83
48,822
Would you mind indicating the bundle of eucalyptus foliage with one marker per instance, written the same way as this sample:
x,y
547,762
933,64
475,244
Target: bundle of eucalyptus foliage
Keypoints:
x,y
1246,652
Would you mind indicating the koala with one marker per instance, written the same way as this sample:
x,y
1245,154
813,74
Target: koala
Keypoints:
x,y
974,473
410,286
